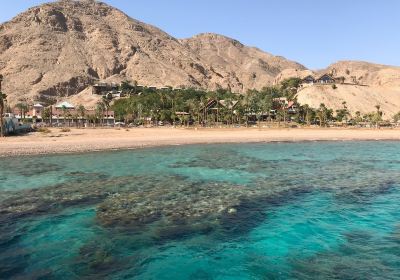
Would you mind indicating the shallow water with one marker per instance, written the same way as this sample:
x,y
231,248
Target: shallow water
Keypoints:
x,y
239,211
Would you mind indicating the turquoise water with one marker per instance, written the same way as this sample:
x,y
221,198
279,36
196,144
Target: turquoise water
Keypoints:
x,y
323,210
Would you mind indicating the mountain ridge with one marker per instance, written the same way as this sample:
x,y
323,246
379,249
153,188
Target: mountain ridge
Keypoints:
x,y
56,50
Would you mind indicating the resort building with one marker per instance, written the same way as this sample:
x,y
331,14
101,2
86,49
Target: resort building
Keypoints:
x,y
67,113
104,88
309,80
325,79
63,113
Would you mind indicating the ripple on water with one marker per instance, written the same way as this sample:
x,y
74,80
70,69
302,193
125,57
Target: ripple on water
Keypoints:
x,y
202,212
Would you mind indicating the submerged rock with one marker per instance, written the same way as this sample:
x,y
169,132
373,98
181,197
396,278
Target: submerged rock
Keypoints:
x,y
55,198
173,207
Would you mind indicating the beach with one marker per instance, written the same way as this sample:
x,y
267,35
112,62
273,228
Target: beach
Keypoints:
x,y
88,139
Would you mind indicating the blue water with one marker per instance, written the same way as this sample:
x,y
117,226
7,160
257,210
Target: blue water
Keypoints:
x,y
323,210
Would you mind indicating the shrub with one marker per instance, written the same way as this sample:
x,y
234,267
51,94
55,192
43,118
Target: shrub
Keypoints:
x,y
43,130
65,129
334,86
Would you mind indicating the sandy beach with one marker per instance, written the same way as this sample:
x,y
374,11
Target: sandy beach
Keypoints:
x,y
86,140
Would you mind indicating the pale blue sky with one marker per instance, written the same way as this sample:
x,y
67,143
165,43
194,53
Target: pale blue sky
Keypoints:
x,y
312,32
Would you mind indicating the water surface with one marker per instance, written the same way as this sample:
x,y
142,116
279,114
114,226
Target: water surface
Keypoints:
x,y
327,210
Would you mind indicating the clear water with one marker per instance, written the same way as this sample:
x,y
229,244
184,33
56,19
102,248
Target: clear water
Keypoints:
x,y
242,211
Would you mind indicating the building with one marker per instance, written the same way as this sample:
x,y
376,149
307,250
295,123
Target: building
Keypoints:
x,y
67,113
214,104
104,88
308,80
37,110
325,79
65,105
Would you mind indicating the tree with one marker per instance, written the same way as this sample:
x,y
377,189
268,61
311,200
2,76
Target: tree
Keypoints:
x,y
358,117
396,118
291,83
65,112
343,114
46,114
3,98
100,111
324,114
378,115
106,105
81,112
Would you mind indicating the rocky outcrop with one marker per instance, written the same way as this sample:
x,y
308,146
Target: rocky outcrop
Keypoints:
x,y
60,48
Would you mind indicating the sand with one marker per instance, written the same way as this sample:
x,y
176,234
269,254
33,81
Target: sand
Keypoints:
x,y
86,140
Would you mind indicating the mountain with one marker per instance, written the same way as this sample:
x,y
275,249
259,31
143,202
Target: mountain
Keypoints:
x,y
58,49
246,67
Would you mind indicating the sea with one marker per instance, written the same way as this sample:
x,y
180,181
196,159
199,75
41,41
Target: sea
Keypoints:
x,y
307,210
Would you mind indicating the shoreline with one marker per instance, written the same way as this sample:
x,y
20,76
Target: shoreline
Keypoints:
x,y
89,140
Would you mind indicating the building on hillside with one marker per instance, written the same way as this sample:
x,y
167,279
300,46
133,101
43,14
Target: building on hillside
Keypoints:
x,y
65,105
325,79
308,80
104,88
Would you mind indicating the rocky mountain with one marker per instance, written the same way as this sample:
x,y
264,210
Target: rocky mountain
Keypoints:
x,y
58,49
245,67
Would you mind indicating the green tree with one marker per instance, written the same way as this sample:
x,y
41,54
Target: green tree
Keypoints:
x,y
81,113
99,112
65,113
106,105
3,98
46,115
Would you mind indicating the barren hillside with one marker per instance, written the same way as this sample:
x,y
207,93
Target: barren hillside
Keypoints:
x,y
54,51
58,49
357,98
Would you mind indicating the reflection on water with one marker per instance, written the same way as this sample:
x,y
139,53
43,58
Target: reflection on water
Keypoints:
x,y
245,211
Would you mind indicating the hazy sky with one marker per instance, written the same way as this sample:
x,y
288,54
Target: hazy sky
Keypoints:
x,y
312,32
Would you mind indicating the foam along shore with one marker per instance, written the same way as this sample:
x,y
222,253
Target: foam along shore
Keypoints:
x,y
86,140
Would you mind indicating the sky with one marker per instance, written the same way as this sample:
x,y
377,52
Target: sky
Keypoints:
x,y
312,32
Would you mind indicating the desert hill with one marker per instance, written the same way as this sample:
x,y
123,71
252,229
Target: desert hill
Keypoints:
x,y
366,85
248,66
57,50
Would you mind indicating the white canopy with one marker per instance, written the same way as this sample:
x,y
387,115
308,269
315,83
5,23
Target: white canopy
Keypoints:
x,y
66,105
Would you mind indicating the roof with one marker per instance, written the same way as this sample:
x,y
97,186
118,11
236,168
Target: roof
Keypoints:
x,y
65,104
38,105
182,113
326,76
308,77
228,104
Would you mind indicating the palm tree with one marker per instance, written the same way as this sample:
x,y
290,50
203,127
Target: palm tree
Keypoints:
x,y
100,111
81,112
65,112
191,105
106,103
322,114
378,115
2,103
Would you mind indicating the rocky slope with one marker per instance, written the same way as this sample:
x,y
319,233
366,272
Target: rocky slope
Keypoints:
x,y
58,49
246,67
55,51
